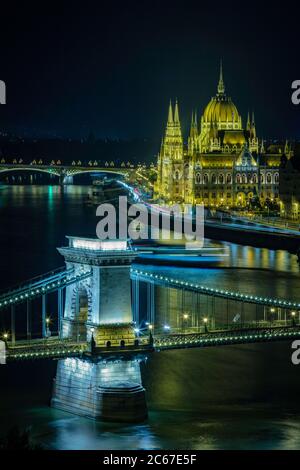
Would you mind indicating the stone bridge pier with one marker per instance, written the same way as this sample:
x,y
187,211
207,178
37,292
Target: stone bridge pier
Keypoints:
x,y
106,383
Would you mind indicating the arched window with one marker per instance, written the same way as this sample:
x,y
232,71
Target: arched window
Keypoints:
x,y
254,178
198,178
186,171
205,178
221,178
269,178
244,178
276,178
238,178
228,178
262,178
213,178
176,175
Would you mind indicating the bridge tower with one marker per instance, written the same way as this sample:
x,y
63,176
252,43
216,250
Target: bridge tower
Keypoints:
x,y
106,383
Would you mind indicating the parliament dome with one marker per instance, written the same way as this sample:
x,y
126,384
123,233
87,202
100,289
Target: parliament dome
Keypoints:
x,y
221,108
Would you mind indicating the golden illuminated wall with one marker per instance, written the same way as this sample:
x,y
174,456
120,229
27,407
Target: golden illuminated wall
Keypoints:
x,y
209,169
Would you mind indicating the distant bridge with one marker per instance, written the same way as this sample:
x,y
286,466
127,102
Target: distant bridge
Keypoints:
x,y
65,173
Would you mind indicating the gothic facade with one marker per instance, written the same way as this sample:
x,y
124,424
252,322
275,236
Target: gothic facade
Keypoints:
x,y
222,163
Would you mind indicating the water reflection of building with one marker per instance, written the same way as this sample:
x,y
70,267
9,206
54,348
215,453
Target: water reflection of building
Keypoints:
x,y
224,163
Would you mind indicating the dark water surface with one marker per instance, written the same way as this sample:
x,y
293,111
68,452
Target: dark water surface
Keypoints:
x,y
234,397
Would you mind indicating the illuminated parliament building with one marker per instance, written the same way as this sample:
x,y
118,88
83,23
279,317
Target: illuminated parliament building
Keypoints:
x,y
223,163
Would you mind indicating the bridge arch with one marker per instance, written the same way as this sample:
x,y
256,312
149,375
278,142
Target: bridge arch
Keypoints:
x,y
82,302
80,171
49,171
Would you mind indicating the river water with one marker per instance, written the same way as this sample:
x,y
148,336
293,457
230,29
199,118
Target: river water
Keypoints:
x,y
233,397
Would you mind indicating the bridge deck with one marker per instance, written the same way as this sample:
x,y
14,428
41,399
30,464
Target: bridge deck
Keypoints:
x,y
226,337
45,349
60,348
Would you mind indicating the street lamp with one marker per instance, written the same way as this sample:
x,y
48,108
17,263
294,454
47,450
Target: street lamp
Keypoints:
x,y
205,321
48,332
293,314
150,334
93,342
92,331
185,318
272,310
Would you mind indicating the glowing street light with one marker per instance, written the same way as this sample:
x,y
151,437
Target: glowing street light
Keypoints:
x,y
48,332
150,327
185,316
205,321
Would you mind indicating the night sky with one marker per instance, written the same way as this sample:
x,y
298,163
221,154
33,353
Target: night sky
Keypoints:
x,y
112,68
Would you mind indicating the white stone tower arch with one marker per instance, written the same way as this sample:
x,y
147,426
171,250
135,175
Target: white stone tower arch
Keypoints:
x,y
108,291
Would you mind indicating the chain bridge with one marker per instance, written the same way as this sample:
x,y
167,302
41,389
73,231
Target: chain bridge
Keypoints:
x,y
108,321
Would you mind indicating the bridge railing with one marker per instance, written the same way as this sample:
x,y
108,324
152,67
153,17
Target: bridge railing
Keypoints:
x,y
32,281
222,338
202,329
39,289
43,287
